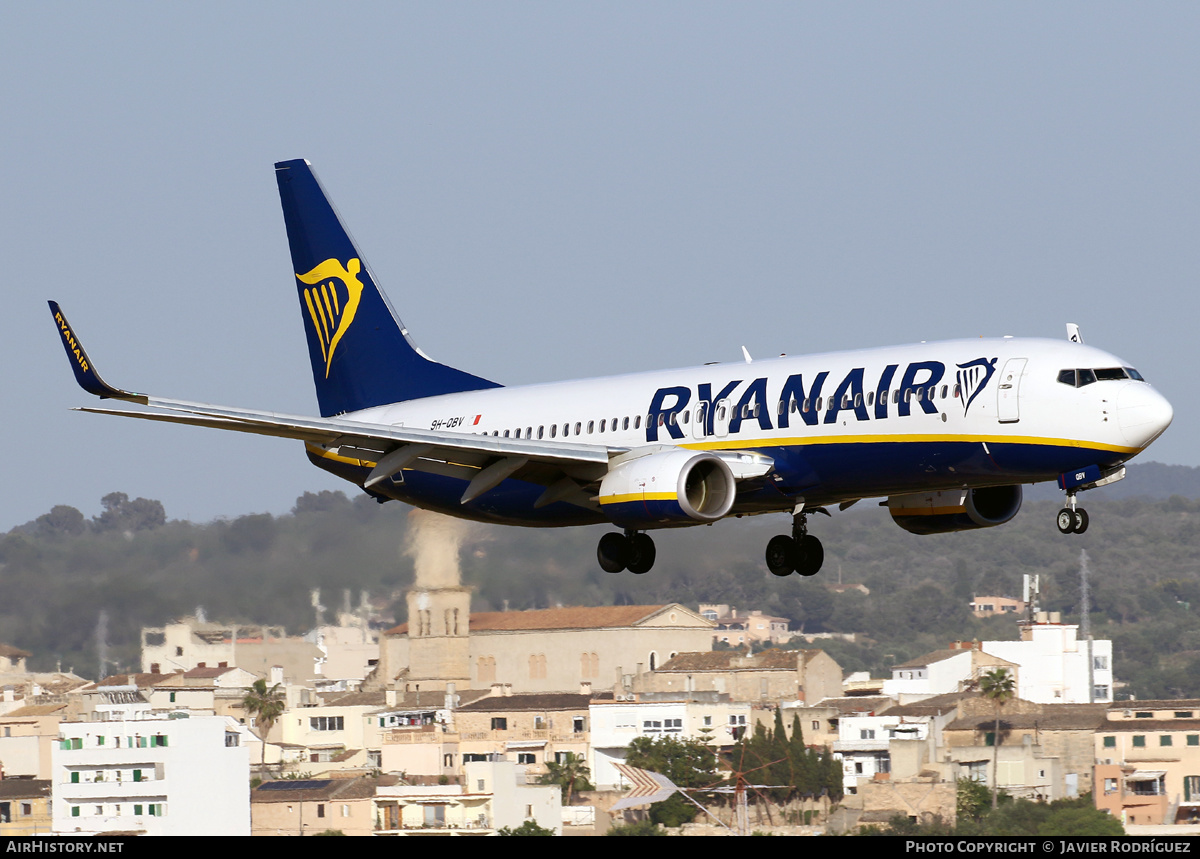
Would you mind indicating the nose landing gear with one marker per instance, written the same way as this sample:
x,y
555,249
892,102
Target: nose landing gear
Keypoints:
x,y
800,553
632,550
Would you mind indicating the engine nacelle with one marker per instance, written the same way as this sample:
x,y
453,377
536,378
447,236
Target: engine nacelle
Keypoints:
x,y
948,510
673,485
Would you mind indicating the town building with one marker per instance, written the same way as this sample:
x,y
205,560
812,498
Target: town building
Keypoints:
x,y
709,718
742,629
529,730
27,739
24,807
767,677
988,606
1148,761
1045,749
492,795
186,776
547,650
313,806
942,672
1055,667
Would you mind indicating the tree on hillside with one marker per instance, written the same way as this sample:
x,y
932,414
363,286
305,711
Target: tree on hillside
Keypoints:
x,y
266,706
121,514
61,519
999,687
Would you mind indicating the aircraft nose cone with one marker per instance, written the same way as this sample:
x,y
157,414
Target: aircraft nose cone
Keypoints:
x,y
1142,413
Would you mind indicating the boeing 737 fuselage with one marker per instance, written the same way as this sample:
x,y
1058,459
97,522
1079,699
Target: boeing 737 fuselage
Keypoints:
x,y
946,432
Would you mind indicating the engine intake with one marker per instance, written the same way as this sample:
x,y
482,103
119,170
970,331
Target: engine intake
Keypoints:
x,y
671,486
943,511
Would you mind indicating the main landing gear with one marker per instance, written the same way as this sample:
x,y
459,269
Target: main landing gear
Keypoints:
x,y
1072,519
800,553
632,550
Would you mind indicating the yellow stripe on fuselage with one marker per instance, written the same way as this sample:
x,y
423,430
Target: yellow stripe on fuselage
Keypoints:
x,y
801,441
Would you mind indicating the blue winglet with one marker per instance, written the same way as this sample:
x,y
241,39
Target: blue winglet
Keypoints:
x,y
81,364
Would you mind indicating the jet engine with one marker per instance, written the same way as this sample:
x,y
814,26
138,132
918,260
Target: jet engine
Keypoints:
x,y
667,486
946,510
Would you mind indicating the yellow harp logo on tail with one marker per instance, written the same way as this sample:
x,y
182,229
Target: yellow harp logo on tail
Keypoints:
x,y
332,300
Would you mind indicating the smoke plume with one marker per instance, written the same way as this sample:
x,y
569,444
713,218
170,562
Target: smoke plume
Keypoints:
x,y
433,543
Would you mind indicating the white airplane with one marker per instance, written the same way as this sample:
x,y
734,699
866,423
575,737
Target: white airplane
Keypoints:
x,y
946,432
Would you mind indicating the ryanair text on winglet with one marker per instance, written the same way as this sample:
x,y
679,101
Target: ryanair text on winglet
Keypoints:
x,y
72,344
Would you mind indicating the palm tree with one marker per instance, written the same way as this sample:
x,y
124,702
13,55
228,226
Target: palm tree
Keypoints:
x,y
571,775
998,686
266,706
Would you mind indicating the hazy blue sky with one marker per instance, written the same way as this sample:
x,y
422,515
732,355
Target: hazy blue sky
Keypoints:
x,y
552,190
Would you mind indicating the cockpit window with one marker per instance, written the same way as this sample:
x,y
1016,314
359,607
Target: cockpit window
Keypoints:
x,y
1081,377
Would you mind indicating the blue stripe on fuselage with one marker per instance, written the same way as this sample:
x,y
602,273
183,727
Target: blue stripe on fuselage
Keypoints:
x,y
820,473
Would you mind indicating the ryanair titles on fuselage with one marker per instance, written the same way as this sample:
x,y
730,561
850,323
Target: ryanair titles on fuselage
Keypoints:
x,y
799,396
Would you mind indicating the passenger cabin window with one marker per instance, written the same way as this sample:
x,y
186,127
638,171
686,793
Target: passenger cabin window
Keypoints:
x,y
591,427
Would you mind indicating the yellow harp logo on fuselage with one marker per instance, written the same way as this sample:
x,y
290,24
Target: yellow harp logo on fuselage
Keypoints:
x,y
332,300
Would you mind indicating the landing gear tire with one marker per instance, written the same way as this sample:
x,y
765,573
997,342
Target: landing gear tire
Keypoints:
x,y
641,554
803,554
1066,520
810,555
613,552
781,555
1081,520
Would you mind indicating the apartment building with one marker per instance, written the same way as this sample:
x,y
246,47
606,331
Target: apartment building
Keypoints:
x,y
1054,665
187,776
528,730
1148,761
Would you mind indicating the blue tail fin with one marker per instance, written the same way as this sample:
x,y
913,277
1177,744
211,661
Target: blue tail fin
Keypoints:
x,y
361,355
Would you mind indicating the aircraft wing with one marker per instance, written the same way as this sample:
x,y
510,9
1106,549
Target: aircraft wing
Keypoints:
x,y
570,471
483,460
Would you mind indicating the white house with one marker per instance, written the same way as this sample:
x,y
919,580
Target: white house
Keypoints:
x,y
863,742
1055,667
